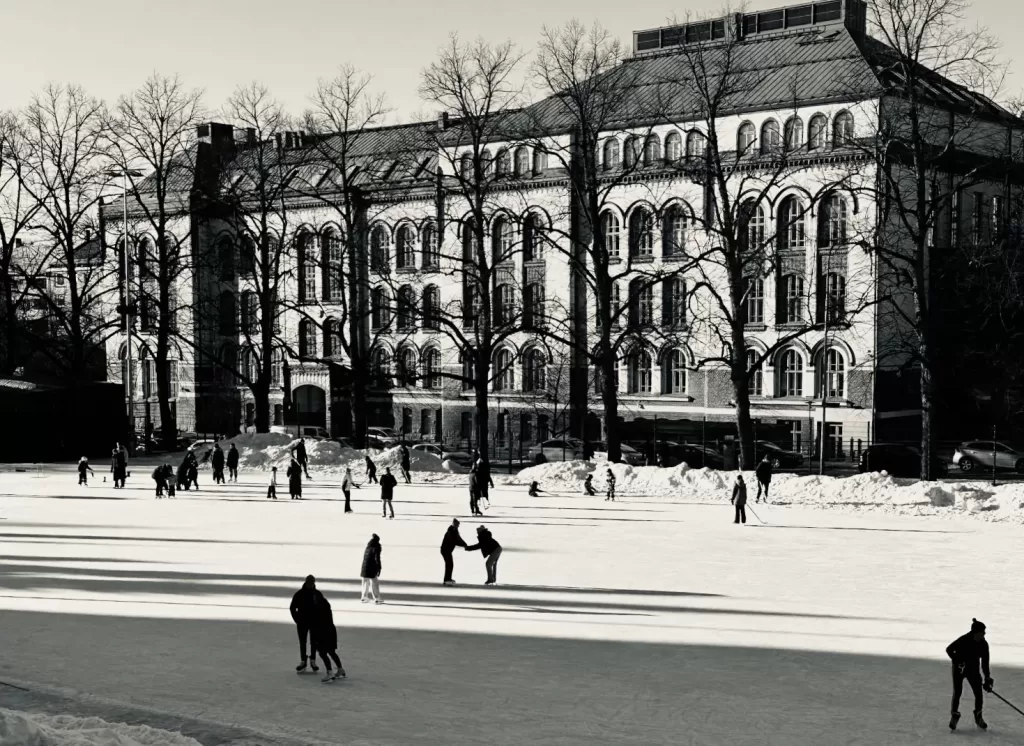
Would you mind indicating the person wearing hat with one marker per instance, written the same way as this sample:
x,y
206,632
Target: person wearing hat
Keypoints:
x,y
370,571
610,481
969,654
491,551
739,499
451,539
305,613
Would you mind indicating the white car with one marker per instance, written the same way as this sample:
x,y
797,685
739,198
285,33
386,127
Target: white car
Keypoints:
x,y
558,449
459,457
383,435
978,454
630,455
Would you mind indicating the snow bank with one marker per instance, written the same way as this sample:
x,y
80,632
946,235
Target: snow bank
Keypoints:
x,y
34,729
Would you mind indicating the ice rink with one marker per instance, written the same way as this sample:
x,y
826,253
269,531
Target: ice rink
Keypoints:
x,y
636,622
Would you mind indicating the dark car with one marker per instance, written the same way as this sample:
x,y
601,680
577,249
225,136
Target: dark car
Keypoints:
x,y
898,460
780,458
694,456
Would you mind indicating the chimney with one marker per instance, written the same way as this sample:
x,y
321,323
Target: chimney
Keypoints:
x,y
220,137
250,137
288,142
855,17
442,120
279,141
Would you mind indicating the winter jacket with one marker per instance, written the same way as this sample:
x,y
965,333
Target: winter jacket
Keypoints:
x,y
218,458
451,540
971,653
387,486
233,457
325,634
294,475
300,452
739,494
83,466
474,484
346,482
304,606
485,543
371,560
158,473
370,466
764,472
405,457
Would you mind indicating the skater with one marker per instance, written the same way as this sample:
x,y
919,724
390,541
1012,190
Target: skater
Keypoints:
x,y
406,464
491,550
233,463
324,640
160,477
611,486
218,464
300,456
588,486
272,487
485,483
371,470
739,499
304,614
387,491
370,571
294,475
474,491
763,472
451,539
969,653
193,471
119,465
346,487
535,490
83,467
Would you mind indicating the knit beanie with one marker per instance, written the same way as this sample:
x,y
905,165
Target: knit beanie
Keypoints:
x,y
977,626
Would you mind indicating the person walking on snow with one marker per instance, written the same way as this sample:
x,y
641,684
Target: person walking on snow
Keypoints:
x,y
451,539
300,456
763,472
304,614
272,487
346,488
739,499
371,470
969,653
370,572
325,638
218,464
406,464
387,491
611,487
233,464
294,475
491,551
588,485
535,489
83,467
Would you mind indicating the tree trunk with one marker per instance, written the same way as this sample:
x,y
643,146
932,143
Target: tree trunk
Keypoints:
x,y
358,403
610,399
738,375
482,394
10,348
926,415
168,425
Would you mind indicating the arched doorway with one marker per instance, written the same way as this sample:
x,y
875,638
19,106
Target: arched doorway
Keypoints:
x,y
310,405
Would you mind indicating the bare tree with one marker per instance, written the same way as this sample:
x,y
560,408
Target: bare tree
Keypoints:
x,y
153,131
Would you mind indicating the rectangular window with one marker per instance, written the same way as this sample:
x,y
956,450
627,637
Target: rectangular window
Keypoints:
x,y
172,377
796,434
977,217
997,218
754,303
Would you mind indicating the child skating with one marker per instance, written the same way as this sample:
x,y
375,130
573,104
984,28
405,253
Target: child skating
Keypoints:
x,y
83,467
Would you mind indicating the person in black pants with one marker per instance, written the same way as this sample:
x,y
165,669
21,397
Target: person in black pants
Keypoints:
x,y
304,614
406,464
451,540
302,458
763,472
387,491
232,459
969,653
325,639
739,499
474,491
371,471
218,464
491,551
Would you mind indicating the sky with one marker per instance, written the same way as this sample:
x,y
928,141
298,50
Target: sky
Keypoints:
x,y
110,46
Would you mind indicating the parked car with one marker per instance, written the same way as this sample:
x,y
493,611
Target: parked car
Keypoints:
x,y
558,449
898,460
694,456
459,457
344,442
978,454
381,437
780,458
313,432
630,455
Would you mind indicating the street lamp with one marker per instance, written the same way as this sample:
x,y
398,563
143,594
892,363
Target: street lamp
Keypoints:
x,y
124,173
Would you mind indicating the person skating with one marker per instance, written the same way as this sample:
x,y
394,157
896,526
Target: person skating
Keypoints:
x,y
485,483
83,467
218,464
474,491
325,640
119,465
491,551
969,654
610,480
535,489
371,470
370,571
739,499
193,471
294,475
387,491
232,459
346,488
304,613
160,477
302,458
406,464
763,472
451,539
588,486
272,486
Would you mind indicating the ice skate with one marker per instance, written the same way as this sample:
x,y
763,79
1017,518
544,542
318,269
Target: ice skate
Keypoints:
x,y
449,582
301,667
328,677
979,720
339,674
953,720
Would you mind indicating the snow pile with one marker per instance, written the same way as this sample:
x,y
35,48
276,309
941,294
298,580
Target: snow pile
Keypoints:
x,y
36,729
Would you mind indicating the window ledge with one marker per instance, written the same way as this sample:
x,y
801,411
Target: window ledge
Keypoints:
x,y
406,270
756,327
792,325
674,257
642,258
675,327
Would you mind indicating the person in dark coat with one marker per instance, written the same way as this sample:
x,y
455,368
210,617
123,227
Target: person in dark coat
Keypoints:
x,y
474,491
535,489
193,471
300,456
969,655
119,465
160,477
294,475
232,459
83,467
763,472
611,486
325,640
371,471
387,491
451,539
183,473
406,464
588,485
370,571
272,484
218,464
485,483
304,614
739,499
491,551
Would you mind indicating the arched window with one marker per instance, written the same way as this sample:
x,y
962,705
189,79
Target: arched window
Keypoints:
x,y
330,331
468,369
533,308
791,374
673,239
431,250
504,304
641,233
226,258
610,228
307,338
533,238
333,263
632,152
380,364
487,162
752,226
835,374
504,370
641,304
503,162
755,374
277,367
407,367
380,309
816,132
842,129
145,259
771,141
638,367
610,158
472,303
246,256
790,232
794,133
673,147
250,364
406,247
431,307
534,370
503,240
227,314
379,259
673,303
791,299
522,164
652,151
406,307
466,166
432,368
540,161
835,297
307,267
470,241
696,145
673,372
745,138
250,318
832,221
753,306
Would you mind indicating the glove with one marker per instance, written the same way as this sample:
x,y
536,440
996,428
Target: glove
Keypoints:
x,y
961,666
987,686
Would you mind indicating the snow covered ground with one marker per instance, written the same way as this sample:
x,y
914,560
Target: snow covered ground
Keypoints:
x,y
651,620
